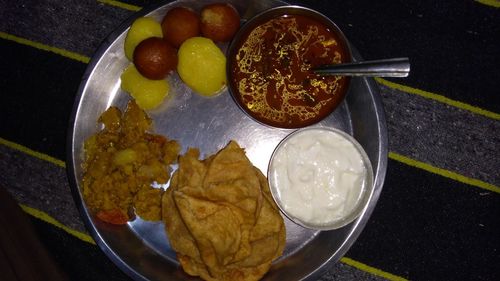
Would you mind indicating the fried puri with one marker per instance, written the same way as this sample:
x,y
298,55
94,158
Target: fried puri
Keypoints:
x,y
220,217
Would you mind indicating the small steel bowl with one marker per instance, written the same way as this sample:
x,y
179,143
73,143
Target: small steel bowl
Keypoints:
x,y
241,36
279,185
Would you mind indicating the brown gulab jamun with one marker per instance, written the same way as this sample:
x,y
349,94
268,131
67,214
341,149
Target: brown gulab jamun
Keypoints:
x,y
219,21
180,24
155,58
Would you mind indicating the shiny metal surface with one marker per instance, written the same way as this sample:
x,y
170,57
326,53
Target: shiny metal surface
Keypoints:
x,y
141,248
395,67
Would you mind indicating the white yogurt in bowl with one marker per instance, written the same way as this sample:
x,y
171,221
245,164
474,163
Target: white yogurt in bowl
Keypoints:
x,y
321,178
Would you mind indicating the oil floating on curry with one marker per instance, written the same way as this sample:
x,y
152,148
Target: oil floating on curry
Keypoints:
x,y
272,76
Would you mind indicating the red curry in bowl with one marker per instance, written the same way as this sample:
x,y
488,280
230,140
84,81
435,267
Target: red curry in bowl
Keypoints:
x,y
270,67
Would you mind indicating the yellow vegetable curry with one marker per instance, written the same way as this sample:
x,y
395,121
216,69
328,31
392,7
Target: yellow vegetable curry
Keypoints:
x,y
122,162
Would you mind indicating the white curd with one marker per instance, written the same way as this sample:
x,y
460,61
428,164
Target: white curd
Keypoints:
x,y
319,177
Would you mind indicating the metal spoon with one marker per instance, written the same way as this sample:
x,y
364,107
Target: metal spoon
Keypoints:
x,y
396,67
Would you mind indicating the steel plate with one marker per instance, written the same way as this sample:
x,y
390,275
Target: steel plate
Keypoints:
x,y
140,248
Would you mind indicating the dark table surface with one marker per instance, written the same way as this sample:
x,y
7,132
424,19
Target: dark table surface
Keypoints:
x,y
438,217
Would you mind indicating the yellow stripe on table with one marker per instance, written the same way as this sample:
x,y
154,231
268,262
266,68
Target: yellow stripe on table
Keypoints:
x,y
40,46
33,153
492,3
48,219
444,173
439,98
372,270
121,5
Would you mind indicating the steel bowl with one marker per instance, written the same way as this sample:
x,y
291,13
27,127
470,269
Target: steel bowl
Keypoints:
x,y
279,187
286,11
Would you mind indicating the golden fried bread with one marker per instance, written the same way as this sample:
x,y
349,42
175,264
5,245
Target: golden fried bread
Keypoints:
x,y
220,218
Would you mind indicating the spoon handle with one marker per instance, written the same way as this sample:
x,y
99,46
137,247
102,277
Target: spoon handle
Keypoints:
x,y
396,67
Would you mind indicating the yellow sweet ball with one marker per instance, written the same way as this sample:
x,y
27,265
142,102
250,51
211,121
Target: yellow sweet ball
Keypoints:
x,y
142,28
148,94
202,66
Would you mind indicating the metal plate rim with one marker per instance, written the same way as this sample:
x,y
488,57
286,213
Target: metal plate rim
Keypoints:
x,y
70,159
